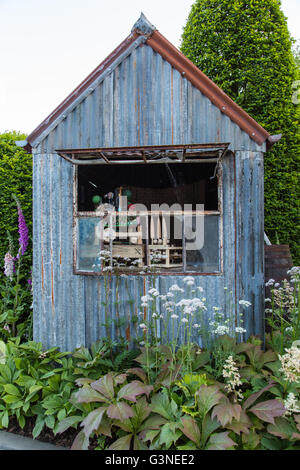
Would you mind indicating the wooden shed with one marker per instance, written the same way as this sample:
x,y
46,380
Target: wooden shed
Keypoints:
x,y
145,131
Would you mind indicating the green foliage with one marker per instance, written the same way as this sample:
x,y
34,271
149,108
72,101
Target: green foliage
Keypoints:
x,y
283,311
126,412
296,54
15,305
230,396
245,48
37,383
15,178
104,356
195,412
114,393
15,293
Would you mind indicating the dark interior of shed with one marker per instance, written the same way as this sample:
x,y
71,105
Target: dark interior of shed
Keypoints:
x,y
158,242
181,183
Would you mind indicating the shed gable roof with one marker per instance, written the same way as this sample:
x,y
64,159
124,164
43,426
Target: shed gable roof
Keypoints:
x,y
144,32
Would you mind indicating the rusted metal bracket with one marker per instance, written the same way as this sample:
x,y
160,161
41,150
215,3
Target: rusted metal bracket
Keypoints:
x,y
221,156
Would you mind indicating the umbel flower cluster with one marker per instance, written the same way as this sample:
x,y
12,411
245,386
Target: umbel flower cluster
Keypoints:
x,y
182,310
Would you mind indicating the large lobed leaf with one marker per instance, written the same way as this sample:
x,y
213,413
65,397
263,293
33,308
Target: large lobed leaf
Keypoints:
x,y
209,425
122,444
133,389
281,428
88,395
268,410
227,411
67,423
120,411
81,442
139,372
105,386
167,375
242,425
161,405
151,427
251,440
191,429
169,434
259,358
207,397
92,421
220,441
141,411
252,398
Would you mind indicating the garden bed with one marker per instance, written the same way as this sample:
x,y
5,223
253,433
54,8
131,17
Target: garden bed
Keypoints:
x,y
216,393
64,440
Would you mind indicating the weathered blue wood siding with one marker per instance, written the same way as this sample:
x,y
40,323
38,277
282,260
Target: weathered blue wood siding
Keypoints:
x,y
141,101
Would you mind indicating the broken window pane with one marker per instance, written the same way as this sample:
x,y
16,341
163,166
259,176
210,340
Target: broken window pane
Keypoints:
x,y
202,243
88,244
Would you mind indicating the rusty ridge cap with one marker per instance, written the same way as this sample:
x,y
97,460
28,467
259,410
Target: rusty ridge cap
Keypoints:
x,y
143,26
217,96
273,139
83,86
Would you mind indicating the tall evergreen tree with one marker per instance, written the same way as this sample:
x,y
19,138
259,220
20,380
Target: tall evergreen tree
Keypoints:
x,y
245,47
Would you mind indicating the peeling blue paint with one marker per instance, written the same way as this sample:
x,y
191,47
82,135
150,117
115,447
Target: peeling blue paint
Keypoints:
x,y
142,100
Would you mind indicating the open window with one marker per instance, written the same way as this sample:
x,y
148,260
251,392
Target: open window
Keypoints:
x,y
148,209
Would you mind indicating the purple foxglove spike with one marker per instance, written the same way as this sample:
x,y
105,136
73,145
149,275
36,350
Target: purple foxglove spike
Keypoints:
x,y
23,232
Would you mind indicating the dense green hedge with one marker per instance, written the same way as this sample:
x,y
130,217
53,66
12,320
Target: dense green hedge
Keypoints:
x,y
15,178
245,48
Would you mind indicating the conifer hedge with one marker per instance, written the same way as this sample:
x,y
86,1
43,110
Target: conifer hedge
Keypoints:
x,y
245,47
15,178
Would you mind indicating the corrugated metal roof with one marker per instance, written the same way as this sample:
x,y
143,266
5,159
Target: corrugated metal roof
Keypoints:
x,y
142,101
144,32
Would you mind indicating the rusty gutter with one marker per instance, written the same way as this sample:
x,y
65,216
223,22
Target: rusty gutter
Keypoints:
x,y
209,145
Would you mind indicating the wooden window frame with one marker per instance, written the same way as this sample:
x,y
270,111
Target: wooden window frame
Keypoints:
x,y
77,215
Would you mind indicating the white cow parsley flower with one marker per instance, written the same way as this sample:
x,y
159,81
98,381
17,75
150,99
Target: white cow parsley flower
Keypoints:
x,y
221,330
240,330
245,303
176,288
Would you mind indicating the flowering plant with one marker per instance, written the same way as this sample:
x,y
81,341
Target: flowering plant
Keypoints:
x,y
283,310
178,321
191,411
16,294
